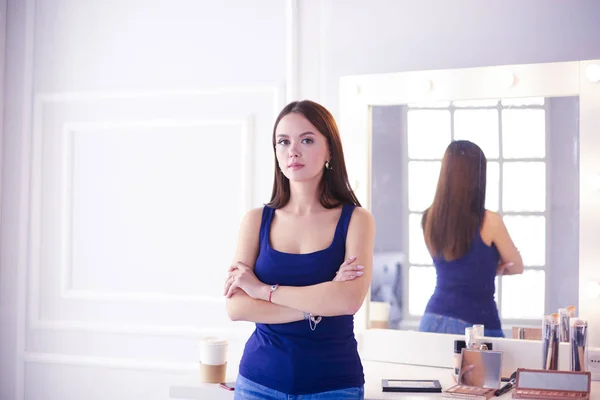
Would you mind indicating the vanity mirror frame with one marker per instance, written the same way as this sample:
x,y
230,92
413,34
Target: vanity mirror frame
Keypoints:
x,y
359,93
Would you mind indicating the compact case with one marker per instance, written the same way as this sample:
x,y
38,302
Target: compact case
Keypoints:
x,y
412,386
550,384
469,392
479,376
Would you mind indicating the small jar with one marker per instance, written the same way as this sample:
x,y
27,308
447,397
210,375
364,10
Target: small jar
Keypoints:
x,y
479,330
471,338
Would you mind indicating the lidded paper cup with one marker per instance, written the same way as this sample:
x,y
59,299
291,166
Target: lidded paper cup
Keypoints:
x,y
212,350
213,359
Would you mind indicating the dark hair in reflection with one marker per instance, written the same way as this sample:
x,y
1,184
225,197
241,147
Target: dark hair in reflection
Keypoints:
x,y
458,208
334,188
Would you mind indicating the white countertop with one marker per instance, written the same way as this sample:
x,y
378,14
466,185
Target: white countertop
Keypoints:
x,y
189,388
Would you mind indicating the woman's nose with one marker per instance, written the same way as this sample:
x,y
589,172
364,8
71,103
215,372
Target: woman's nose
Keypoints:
x,y
293,152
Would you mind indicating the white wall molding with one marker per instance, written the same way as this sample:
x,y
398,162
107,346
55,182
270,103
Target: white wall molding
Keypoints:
x,y
292,51
52,97
243,126
110,362
3,29
24,61
70,293
241,332
246,127
324,52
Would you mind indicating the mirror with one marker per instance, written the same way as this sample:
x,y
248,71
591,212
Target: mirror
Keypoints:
x,y
531,146
537,125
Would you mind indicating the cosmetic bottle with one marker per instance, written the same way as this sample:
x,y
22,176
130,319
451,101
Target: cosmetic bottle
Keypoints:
x,y
458,346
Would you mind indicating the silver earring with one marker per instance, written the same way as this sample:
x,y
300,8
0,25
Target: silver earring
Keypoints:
x,y
327,165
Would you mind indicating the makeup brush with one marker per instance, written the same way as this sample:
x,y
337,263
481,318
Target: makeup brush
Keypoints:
x,y
508,386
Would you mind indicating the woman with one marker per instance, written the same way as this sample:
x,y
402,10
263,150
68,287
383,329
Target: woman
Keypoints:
x,y
285,275
469,246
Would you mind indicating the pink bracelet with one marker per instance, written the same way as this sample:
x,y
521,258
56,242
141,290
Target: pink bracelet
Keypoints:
x,y
271,290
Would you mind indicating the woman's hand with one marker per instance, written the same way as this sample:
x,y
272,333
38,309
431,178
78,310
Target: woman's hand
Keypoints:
x,y
502,267
465,375
347,271
242,276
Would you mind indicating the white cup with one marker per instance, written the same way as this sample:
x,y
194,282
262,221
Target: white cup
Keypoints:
x,y
471,337
379,311
480,330
212,351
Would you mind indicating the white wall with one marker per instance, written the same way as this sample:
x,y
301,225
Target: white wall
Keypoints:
x,y
365,37
6,379
105,279
133,137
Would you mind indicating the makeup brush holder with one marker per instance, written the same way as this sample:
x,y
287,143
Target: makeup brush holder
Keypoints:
x,y
578,346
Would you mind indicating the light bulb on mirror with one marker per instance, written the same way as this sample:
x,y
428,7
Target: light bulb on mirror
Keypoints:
x,y
507,79
592,290
426,85
592,72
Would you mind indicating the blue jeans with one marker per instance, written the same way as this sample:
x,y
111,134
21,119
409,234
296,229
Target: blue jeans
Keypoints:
x,y
442,324
245,389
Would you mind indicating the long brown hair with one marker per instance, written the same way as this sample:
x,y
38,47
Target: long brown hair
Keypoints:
x,y
334,187
458,208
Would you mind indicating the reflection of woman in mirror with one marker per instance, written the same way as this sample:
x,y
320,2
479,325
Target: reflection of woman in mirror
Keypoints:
x,y
469,246
302,268
472,371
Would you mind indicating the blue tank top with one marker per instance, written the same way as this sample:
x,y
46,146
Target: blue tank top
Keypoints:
x,y
465,287
291,358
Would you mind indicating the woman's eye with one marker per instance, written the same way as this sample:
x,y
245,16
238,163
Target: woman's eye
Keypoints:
x,y
283,142
308,141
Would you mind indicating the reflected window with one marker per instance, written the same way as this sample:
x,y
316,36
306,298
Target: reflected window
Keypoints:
x,y
478,126
530,282
419,195
422,278
524,133
428,133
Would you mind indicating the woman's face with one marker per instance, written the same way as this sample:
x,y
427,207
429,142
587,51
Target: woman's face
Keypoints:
x,y
300,148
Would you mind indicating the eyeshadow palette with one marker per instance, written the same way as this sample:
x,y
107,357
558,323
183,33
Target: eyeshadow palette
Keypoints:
x,y
479,375
468,392
545,384
407,385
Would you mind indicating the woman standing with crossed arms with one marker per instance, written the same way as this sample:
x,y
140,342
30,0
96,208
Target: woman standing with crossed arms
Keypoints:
x,y
303,268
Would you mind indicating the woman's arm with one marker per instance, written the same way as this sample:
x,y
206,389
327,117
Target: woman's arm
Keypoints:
x,y
240,306
511,262
337,298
